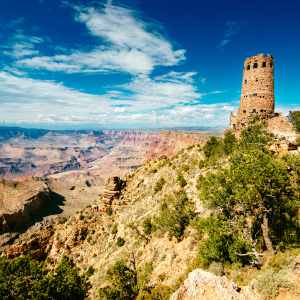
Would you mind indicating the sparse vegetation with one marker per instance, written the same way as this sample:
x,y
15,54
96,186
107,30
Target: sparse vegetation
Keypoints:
x,y
120,242
159,185
181,180
294,117
176,212
148,226
125,282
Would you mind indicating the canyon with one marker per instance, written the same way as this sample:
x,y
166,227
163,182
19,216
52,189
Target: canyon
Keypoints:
x,y
45,174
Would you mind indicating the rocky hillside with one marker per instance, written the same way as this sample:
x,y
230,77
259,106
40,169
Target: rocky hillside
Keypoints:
x,y
149,223
23,203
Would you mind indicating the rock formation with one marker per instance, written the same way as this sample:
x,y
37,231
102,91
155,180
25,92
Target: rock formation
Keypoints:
x,y
112,190
20,201
202,285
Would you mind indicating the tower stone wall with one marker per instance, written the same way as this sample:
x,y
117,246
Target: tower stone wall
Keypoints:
x,y
257,97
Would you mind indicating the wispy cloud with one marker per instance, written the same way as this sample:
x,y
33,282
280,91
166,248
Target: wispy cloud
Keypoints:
x,y
130,45
124,43
21,46
232,28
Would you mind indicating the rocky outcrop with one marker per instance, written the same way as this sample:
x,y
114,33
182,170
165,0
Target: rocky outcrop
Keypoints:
x,y
36,243
25,202
112,190
202,285
281,127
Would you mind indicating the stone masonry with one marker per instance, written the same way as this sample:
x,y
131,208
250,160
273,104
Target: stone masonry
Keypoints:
x,y
257,98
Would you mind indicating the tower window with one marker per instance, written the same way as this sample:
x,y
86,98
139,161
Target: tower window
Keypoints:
x,y
254,110
271,65
264,64
255,65
244,111
248,67
245,81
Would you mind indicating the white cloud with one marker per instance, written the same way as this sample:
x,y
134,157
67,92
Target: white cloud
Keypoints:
x,y
125,43
23,98
26,100
168,89
131,45
20,46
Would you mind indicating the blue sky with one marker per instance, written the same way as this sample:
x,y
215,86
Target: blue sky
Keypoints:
x,y
138,63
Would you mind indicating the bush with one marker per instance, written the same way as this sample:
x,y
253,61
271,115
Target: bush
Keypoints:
x,y
181,180
123,283
114,229
148,226
269,281
294,117
175,214
223,244
216,268
159,292
159,185
230,142
255,135
214,148
26,278
120,242
90,271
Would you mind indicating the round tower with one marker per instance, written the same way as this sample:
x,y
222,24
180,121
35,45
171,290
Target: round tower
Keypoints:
x,y
258,87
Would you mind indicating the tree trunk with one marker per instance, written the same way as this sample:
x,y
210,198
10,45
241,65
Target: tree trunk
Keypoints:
x,y
265,233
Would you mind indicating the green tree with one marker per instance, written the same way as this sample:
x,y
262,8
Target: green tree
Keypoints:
x,y
256,186
230,142
176,212
213,148
255,135
294,117
26,278
123,283
64,283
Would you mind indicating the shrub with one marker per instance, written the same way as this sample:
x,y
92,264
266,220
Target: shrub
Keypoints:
x,y
214,148
114,229
26,278
181,180
120,242
159,185
109,211
90,271
223,244
175,214
294,117
123,283
148,226
255,135
216,268
160,292
269,281
230,142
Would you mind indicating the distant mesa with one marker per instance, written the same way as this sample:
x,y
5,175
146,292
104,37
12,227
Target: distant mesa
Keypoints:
x,y
257,98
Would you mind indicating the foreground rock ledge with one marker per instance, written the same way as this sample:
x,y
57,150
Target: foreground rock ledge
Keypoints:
x,y
202,285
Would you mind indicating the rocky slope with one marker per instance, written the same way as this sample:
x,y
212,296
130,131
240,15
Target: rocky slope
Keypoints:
x,y
96,238
22,203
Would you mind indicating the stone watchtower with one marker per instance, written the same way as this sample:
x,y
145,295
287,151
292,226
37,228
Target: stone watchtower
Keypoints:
x,y
257,97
